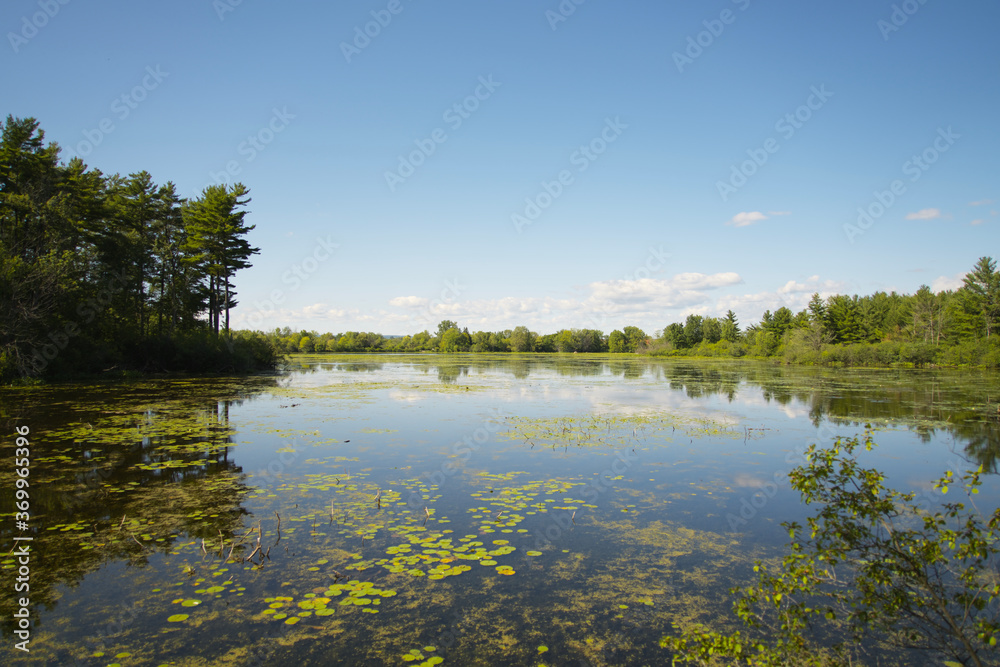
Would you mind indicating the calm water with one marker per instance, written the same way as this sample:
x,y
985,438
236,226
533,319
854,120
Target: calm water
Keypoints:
x,y
423,510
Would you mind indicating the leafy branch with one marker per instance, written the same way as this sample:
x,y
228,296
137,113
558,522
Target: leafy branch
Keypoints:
x,y
873,565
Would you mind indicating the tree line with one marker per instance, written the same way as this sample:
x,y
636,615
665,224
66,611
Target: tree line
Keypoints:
x,y
948,327
951,326
100,271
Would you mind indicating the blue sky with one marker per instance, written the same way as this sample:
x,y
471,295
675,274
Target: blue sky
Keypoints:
x,y
550,164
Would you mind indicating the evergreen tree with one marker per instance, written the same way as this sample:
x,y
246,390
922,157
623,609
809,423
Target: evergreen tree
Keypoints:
x,y
981,293
216,243
730,327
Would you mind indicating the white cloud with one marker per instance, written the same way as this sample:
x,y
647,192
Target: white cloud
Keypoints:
x,y
321,311
683,289
408,302
943,283
981,202
811,285
603,305
978,221
925,214
779,212
746,218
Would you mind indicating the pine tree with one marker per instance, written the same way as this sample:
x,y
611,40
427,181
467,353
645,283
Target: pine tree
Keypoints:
x,y
216,243
982,292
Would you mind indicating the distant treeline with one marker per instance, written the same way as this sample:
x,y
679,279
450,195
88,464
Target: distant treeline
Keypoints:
x,y
953,327
103,272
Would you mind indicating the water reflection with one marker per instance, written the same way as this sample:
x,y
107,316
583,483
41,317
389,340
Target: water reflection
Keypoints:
x,y
134,473
959,403
115,477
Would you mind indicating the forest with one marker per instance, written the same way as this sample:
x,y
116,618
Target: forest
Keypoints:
x,y
950,327
108,272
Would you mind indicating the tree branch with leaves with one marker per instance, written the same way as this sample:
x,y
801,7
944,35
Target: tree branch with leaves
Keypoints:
x,y
874,565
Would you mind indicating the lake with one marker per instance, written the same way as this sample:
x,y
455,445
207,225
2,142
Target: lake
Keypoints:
x,y
457,510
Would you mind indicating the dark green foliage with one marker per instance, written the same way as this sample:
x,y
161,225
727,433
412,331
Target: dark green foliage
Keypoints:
x,y
100,272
